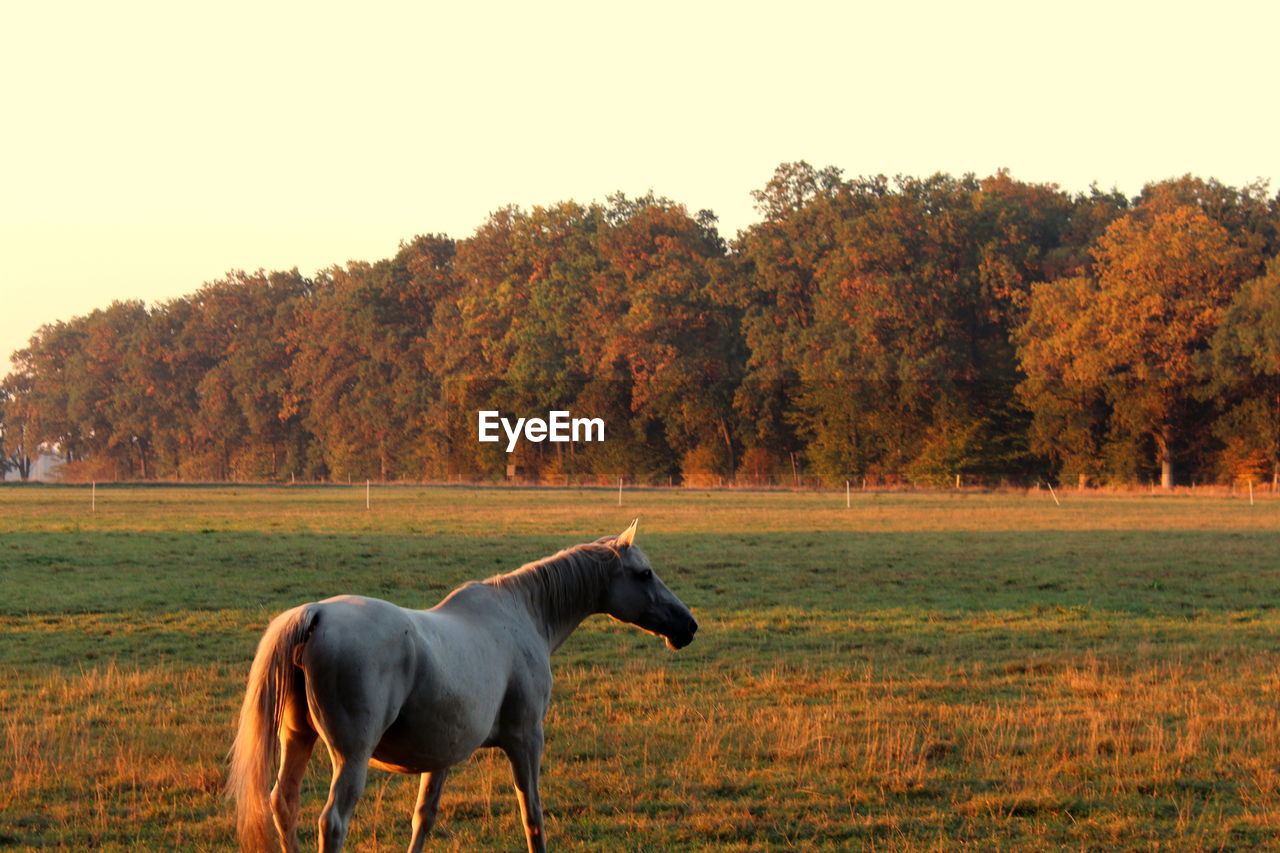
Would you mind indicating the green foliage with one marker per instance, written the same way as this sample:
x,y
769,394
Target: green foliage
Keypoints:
x,y
1243,372
950,447
896,329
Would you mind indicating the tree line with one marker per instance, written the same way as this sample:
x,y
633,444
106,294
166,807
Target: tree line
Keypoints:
x,y
897,330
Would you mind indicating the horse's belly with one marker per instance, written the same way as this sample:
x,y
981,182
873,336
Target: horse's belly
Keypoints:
x,y
425,748
459,691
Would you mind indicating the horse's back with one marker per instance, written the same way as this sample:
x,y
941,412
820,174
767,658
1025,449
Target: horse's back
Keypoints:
x,y
369,632
475,651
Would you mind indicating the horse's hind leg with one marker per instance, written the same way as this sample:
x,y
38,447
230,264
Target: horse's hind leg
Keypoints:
x,y
295,749
424,813
349,774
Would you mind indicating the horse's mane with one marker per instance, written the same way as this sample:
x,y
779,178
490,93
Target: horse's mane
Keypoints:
x,y
563,581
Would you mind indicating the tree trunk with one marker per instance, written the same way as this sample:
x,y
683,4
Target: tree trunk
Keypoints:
x,y
728,446
1275,445
1164,450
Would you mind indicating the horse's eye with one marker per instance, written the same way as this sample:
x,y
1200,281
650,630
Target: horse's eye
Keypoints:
x,y
646,574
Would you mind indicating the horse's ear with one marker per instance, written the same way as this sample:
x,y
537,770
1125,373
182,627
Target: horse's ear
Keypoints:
x,y
628,537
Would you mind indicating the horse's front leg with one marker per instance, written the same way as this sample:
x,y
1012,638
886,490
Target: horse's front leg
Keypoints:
x,y
424,813
525,753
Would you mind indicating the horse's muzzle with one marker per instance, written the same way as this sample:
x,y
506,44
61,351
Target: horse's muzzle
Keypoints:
x,y
683,636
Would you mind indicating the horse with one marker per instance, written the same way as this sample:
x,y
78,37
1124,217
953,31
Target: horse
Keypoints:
x,y
418,691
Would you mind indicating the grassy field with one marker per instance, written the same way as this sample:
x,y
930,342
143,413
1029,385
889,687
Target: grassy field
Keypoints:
x,y
916,672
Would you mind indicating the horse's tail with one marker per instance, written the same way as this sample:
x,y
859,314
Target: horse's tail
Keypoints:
x,y
254,753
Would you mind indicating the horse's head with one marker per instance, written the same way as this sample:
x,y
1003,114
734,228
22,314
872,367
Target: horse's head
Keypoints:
x,y
636,595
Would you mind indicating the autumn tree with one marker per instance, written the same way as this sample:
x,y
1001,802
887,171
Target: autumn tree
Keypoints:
x,y
359,375
1249,214
777,264
1064,391
675,336
11,454
1163,275
512,336
38,408
899,299
66,389
177,349
238,341
910,327
1243,370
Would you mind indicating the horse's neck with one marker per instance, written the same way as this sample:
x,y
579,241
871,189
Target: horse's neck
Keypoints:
x,y
558,631
556,605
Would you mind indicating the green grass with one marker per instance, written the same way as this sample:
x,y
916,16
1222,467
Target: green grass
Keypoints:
x,y
917,672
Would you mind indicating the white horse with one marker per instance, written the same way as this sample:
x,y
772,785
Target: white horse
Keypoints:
x,y
417,691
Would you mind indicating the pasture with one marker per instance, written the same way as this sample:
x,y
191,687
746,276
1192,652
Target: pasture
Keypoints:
x,y
939,671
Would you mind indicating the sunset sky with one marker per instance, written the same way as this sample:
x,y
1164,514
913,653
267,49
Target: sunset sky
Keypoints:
x,y
149,146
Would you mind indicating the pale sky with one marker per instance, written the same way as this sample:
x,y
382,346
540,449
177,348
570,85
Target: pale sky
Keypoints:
x,y
148,147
